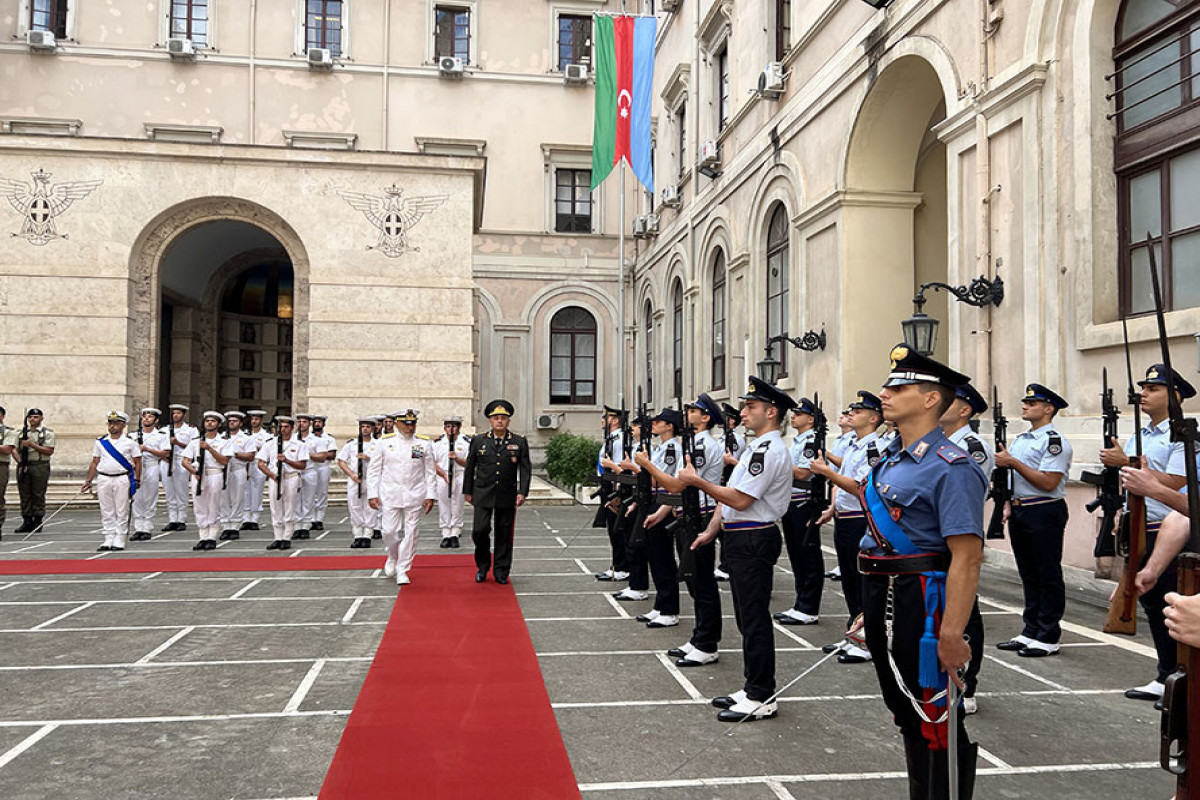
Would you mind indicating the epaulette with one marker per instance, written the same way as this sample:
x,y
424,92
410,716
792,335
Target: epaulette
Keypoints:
x,y
976,449
951,454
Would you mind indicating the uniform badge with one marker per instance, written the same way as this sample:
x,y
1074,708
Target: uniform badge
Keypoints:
x,y
757,462
899,353
979,456
895,514
418,451
951,455
669,457
1054,449
921,449
698,459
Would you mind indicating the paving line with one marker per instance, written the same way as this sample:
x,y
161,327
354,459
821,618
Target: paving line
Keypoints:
x,y
205,625
339,712
222,544
298,552
8,585
143,578
1025,672
795,638
822,698
161,535
245,589
306,683
612,601
687,685
993,759
779,790
123,601
177,664
350,612
64,615
98,555
26,743
146,659
31,547
324,534
1087,633
560,541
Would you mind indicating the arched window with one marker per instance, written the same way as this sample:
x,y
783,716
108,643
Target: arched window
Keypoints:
x,y
1157,106
778,260
573,356
718,320
677,339
648,331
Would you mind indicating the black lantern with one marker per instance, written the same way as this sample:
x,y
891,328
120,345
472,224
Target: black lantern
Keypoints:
x,y
920,330
768,368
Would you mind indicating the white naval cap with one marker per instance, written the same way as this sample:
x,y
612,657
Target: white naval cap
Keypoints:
x,y
453,419
177,407
283,418
217,415
256,412
368,420
234,413
118,416
151,410
304,416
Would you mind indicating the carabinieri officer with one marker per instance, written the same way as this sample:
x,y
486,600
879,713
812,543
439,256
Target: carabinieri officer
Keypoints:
x,y
756,495
920,563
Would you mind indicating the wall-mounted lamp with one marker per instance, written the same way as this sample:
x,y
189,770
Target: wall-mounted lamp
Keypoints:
x,y
920,330
768,368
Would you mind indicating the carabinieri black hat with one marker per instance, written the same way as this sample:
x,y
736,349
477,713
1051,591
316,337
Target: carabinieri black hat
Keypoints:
x,y
1157,376
1035,391
610,411
731,413
761,390
909,366
971,396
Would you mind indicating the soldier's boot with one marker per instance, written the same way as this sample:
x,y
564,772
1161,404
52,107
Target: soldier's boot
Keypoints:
x,y
916,754
939,772
37,524
26,525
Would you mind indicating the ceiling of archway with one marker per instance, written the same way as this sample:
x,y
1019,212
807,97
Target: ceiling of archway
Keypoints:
x,y
196,254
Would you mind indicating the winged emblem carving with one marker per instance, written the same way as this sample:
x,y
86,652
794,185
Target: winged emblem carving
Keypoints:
x,y
41,202
394,216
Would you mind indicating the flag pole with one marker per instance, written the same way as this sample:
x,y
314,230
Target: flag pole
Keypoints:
x,y
621,293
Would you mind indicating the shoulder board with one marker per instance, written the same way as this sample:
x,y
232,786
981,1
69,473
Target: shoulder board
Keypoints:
x,y
101,438
423,437
975,448
388,435
763,445
951,454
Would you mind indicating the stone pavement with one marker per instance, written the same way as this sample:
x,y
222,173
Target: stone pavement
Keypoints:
x,y
217,685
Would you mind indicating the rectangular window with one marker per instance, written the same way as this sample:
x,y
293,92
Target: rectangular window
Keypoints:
x,y
681,133
722,89
452,33
323,25
49,15
573,200
574,40
189,19
783,28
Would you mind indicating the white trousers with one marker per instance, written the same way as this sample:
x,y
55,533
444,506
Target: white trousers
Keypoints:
x,y
233,498
176,485
308,494
113,494
362,516
321,495
206,505
254,493
450,506
145,502
285,506
400,529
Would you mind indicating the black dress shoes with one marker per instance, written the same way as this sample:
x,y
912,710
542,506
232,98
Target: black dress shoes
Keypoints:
x,y
1012,645
284,544
502,579
453,542
850,658
300,534
480,577
677,652
201,545
224,536
377,534
252,526
105,548
444,544
274,545
170,526
724,702
318,526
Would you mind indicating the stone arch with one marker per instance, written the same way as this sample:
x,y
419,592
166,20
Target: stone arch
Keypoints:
x,y
145,286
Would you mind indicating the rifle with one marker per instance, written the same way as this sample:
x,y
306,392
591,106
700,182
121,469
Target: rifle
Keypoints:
x,y
643,490
691,520
200,466
278,463
225,466
361,468
171,448
818,485
606,490
1131,539
730,446
1107,482
1183,686
23,451
450,468
1001,490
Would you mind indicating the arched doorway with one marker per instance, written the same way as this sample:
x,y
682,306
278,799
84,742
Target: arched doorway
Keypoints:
x,y
895,214
219,304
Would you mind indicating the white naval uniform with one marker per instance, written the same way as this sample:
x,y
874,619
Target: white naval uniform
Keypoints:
x,y
362,516
377,522
319,443
450,496
401,475
177,483
283,504
206,505
233,497
112,488
254,477
145,502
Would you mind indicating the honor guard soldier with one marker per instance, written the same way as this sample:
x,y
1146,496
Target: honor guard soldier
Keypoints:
x,y
450,452
756,495
176,480
281,460
322,448
735,444
706,458
255,479
666,460
115,468
242,453
35,445
384,425
8,448
800,536
352,460
635,546
308,478
920,560
206,458
1040,459
401,482
154,446
608,515
956,424
496,484
861,455
1164,460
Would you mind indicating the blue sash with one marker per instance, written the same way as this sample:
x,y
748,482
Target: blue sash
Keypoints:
x,y
124,462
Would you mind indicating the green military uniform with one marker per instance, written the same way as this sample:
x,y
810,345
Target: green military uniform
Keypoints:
x,y
497,470
8,438
33,475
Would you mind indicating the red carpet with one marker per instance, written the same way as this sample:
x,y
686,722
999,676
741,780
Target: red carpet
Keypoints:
x,y
101,566
453,706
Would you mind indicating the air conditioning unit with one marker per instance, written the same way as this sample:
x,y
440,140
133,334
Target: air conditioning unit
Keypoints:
x,y
670,5
181,47
771,80
670,196
320,58
549,422
575,73
40,40
645,225
710,155
451,67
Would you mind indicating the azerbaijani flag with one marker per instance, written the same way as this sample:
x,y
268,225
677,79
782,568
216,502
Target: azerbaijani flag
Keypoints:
x,y
624,57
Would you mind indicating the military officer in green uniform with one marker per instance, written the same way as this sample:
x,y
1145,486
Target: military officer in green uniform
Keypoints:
x,y
495,483
35,445
8,447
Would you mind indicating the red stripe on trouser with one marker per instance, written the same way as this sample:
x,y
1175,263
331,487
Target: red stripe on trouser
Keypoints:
x,y
935,733
623,47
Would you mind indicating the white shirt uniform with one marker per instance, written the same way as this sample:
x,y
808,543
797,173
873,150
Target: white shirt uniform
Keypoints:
x,y
362,516
254,477
799,442
838,448
1162,455
112,487
233,497
178,481
708,453
283,503
976,447
450,496
1045,453
860,456
145,502
402,477
319,443
764,472
206,504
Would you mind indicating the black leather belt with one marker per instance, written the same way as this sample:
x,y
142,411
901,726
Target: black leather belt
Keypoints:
x,y
875,563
